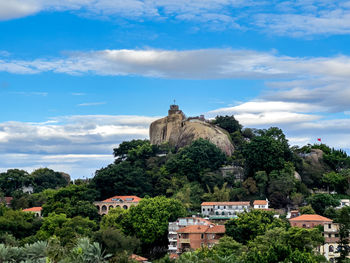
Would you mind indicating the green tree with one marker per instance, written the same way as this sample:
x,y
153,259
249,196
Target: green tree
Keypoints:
x,y
114,241
218,194
122,179
249,225
66,229
73,200
344,233
195,158
114,218
267,152
17,223
307,210
320,202
45,178
14,179
228,123
149,221
121,152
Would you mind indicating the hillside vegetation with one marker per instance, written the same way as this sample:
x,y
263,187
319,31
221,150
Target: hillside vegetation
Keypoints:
x,y
173,183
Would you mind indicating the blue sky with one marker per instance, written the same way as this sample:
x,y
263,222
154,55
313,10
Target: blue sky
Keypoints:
x,y
77,77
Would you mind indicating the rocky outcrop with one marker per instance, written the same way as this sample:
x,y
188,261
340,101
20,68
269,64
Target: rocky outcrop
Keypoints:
x,y
179,131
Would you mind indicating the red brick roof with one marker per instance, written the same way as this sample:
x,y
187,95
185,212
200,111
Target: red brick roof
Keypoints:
x,y
310,218
33,209
260,202
202,229
226,203
125,198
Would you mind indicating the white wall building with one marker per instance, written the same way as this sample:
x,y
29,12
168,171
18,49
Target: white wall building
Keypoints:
x,y
261,204
224,209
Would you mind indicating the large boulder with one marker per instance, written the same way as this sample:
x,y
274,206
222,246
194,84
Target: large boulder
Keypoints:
x,y
179,131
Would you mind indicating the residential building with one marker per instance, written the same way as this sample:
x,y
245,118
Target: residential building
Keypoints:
x,y
224,209
181,223
6,200
36,210
309,221
261,204
193,237
330,247
343,202
116,201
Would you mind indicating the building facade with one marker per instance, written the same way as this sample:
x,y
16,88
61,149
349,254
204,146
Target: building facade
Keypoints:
x,y
226,209
261,204
193,237
309,221
124,202
181,223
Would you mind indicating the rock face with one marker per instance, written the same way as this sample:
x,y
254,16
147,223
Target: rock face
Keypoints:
x,y
179,131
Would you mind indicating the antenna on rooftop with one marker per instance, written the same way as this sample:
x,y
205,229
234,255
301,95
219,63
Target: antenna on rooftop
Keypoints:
x,y
174,102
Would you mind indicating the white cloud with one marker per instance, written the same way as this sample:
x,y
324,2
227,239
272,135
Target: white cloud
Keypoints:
x,y
187,64
294,18
10,9
68,143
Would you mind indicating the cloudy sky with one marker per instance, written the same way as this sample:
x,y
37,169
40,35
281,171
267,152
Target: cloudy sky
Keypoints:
x,y
77,77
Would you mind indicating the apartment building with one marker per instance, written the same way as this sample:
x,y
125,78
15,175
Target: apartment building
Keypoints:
x,y
224,209
124,202
182,223
193,237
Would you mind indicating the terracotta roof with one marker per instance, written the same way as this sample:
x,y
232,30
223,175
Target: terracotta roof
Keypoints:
x,y
216,229
125,198
226,203
260,202
33,209
310,218
138,258
202,229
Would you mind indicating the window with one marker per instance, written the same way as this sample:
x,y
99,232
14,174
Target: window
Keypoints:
x,y
224,207
329,225
304,225
331,248
203,210
202,236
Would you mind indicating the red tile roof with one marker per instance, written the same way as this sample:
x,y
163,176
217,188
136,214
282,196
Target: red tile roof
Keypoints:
x,y
310,218
33,209
216,229
226,203
260,202
138,258
133,198
202,229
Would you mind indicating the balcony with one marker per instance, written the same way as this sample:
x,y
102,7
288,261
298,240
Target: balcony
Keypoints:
x,y
172,248
184,240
